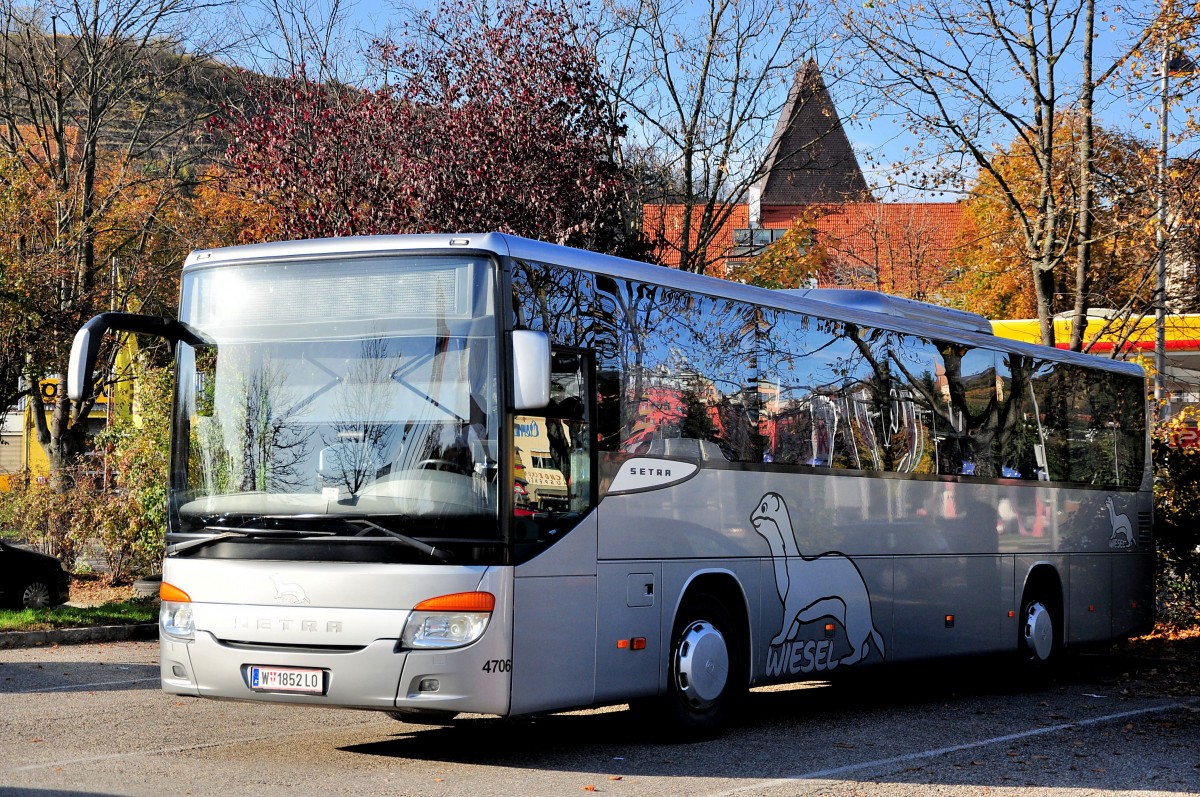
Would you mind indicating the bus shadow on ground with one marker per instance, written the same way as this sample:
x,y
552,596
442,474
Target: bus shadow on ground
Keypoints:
x,y
59,676
844,726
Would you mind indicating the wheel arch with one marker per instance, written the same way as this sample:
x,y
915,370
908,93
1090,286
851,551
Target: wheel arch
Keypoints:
x,y
723,585
1044,575
1043,579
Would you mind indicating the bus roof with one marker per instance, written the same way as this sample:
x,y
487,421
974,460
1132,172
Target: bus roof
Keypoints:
x,y
860,307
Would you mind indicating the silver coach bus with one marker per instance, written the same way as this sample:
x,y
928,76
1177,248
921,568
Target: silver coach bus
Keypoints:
x,y
760,486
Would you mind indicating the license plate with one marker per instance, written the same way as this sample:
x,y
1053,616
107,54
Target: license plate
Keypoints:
x,y
287,679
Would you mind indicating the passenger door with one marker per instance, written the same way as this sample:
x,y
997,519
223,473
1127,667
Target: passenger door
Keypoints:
x,y
554,601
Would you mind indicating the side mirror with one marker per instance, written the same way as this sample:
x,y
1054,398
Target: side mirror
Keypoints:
x,y
86,346
84,349
530,369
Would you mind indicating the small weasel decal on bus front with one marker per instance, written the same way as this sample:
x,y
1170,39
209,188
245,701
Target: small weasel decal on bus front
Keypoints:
x,y
288,591
813,588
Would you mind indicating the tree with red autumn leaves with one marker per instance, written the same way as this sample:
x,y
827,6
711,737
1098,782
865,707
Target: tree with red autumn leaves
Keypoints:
x,y
505,129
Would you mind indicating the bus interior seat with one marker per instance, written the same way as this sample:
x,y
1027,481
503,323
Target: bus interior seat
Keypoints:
x,y
688,448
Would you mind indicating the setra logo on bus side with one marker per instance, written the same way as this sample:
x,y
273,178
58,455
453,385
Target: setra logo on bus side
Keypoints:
x,y
635,471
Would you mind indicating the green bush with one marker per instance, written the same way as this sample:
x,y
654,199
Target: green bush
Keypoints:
x,y
129,525
1177,529
55,519
126,520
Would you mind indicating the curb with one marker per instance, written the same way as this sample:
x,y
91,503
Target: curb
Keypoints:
x,y
77,636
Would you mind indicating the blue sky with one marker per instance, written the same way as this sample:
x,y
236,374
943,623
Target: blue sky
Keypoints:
x,y
1131,109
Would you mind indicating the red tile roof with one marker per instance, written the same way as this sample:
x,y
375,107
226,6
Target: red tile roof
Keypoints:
x,y
811,170
901,248
666,222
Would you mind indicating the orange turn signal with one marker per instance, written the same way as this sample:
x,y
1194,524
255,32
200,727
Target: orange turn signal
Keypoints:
x,y
170,592
459,602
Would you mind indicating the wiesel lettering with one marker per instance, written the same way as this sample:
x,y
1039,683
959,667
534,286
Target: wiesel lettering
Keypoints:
x,y
801,656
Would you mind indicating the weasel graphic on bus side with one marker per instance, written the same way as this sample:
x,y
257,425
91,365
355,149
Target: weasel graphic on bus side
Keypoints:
x,y
812,588
1122,528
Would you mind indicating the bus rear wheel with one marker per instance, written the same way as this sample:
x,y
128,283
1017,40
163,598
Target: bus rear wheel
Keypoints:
x,y
707,678
1039,642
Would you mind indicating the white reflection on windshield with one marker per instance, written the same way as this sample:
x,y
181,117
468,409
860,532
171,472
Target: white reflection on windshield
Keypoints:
x,y
380,425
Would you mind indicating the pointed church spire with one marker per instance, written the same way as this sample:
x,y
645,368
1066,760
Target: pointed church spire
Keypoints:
x,y
810,160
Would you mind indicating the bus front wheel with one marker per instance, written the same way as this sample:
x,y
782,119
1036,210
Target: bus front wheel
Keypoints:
x,y
707,676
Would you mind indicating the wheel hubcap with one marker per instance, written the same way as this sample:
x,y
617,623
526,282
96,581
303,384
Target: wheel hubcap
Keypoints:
x,y
702,664
36,596
1039,631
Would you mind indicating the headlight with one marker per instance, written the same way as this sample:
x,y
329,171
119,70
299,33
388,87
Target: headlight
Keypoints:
x,y
175,620
449,621
175,612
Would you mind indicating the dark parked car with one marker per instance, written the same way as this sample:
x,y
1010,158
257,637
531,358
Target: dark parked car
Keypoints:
x,y
31,580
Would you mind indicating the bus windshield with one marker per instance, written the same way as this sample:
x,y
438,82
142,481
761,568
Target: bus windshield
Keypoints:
x,y
349,398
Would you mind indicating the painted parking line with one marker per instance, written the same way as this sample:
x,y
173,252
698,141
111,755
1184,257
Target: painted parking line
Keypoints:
x,y
184,748
80,686
837,772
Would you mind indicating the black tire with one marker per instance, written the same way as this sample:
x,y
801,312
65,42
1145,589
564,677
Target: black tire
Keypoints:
x,y
37,594
707,679
1039,635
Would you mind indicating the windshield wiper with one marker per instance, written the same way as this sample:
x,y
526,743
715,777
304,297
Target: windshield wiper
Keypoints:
x,y
241,532
361,527
424,547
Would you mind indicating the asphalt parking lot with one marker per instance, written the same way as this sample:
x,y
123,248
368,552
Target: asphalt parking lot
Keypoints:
x,y
89,719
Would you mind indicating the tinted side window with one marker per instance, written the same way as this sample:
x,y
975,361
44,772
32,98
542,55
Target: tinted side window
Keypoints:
x,y
679,374
805,415
554,300
689,379
1053,404
967,418
1124,411
836,395
1107,428
1018,434
1066,423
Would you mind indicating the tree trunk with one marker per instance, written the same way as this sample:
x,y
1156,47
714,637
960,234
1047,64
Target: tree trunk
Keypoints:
x,y
1083,260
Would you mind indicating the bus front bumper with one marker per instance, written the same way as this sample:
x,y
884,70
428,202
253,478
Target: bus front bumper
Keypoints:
x,y
377,676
